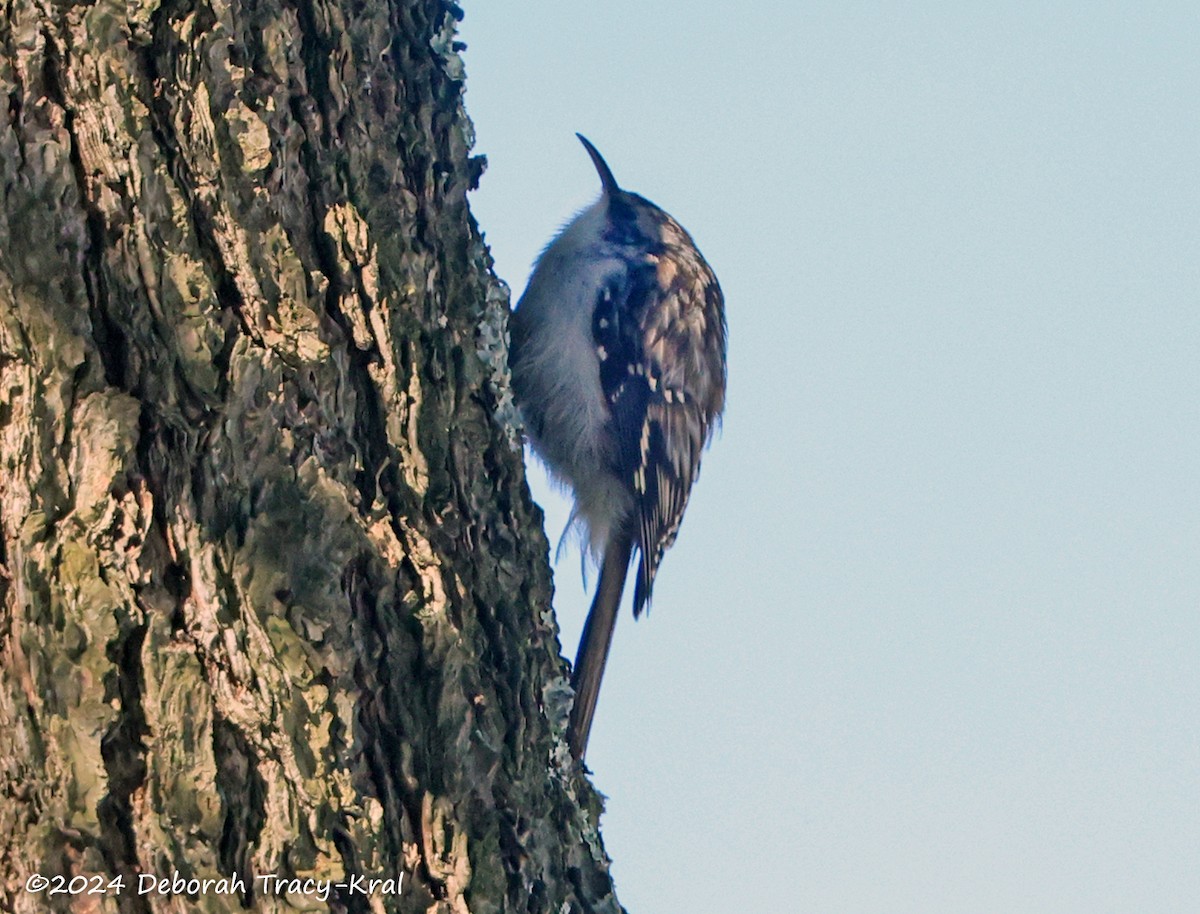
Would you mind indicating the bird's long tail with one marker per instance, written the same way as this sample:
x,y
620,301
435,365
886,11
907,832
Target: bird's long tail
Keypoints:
x,y
597,637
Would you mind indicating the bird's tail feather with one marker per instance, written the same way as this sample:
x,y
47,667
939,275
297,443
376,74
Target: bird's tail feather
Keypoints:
x,y
597,637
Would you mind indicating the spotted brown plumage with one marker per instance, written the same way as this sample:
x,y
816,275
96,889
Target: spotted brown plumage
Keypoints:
x,y
618,362
662,370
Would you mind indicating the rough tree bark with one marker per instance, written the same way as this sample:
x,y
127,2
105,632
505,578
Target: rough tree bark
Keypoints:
x,y
275,600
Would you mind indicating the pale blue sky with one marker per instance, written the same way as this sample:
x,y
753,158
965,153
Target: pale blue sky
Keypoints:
x,y
929,640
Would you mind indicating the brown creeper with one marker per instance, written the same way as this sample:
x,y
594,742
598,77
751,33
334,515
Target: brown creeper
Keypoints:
x,y
618,365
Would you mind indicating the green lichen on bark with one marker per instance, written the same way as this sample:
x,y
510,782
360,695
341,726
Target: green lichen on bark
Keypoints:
x,y
274,595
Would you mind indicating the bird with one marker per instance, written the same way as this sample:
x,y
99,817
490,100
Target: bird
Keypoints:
x,y
618,363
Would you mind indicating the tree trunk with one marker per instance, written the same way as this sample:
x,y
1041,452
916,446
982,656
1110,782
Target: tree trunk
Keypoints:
x,y
275,599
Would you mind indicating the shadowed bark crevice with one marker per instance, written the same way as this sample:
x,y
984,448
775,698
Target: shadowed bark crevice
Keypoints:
x,y
123,751
242,793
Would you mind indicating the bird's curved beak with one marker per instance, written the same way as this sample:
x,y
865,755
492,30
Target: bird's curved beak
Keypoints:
x,y
607,181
